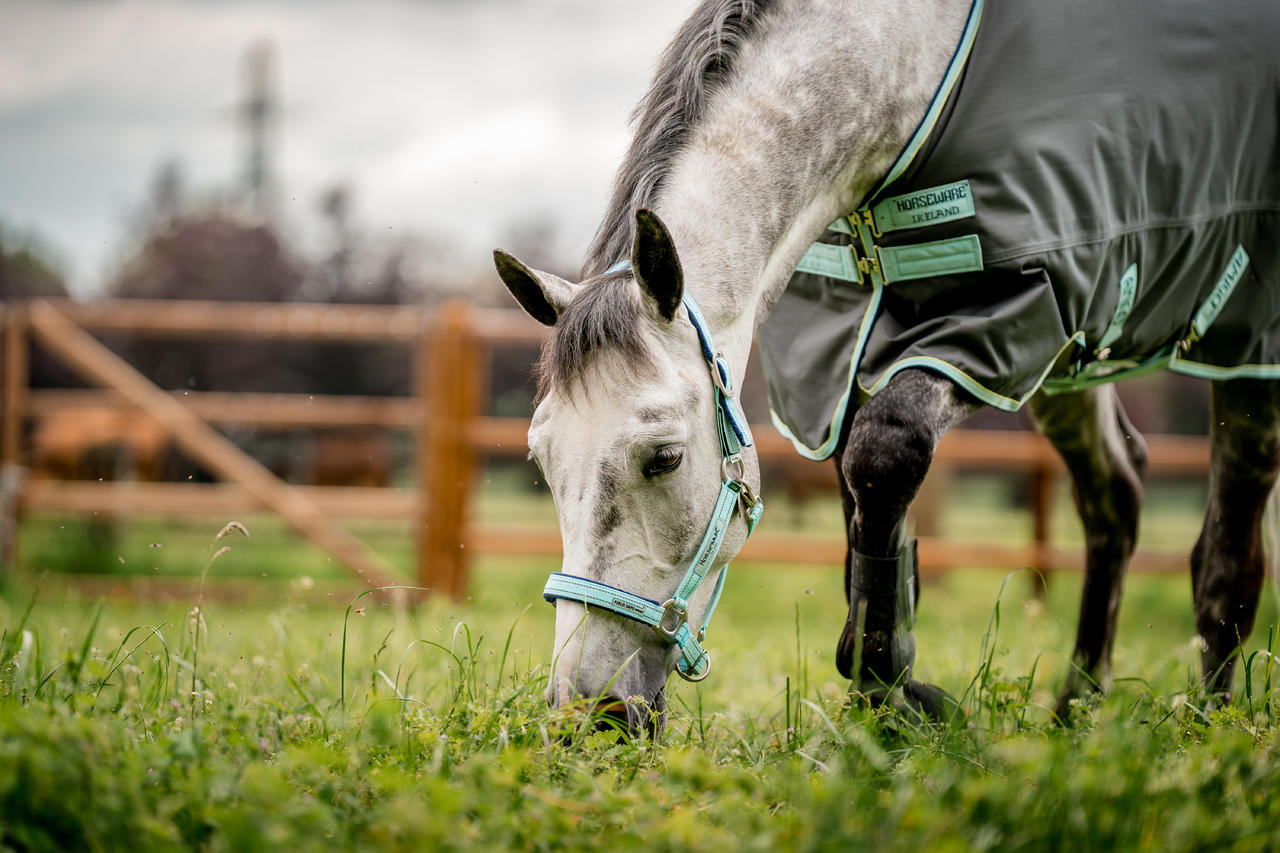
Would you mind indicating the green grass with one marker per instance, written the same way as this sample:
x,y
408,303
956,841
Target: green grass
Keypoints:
x,y
291,723
153,726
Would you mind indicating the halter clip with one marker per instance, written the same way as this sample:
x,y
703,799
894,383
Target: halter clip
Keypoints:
x,y
671,609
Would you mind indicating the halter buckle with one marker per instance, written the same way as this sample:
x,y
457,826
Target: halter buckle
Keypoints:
x,y
737,475
718,377
671,610
737,478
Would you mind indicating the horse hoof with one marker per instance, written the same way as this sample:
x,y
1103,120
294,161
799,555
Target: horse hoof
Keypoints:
x,y
845,651
931,702
1079,686
916,700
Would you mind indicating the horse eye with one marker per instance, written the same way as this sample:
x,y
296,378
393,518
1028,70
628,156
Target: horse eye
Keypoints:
x,y
664,461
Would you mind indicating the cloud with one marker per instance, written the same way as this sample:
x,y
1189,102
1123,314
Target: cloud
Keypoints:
x,y
453,116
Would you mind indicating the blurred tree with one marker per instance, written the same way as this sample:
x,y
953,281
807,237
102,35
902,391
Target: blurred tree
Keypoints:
x,y
352,273
210,256
214,255
24,274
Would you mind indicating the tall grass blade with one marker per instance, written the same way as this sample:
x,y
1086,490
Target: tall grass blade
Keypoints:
x,y
346,619
78,665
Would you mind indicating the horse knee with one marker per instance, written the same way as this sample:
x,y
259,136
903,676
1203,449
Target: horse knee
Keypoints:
x,y
887,459
1110,514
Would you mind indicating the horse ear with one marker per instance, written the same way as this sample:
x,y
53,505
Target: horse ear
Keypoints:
x,y
542,295
656,266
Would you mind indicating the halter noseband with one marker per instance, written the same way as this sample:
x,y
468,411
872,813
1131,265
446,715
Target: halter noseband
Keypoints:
x,y
670,619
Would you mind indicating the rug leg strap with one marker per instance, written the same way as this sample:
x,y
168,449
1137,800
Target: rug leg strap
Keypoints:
x,y
893,578
877,646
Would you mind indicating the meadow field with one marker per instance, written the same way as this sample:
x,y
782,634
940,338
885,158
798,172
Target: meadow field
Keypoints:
x,y
305,718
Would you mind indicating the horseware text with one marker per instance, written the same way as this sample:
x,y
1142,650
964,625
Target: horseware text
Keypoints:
x,y
926,207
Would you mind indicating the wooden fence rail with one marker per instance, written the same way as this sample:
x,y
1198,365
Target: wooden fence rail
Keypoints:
x,y
452,436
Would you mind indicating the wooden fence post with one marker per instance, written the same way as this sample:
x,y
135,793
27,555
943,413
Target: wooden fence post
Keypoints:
x,y
16,376
448,390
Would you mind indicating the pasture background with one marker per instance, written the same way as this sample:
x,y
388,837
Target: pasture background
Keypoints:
x,y
340,154
438,737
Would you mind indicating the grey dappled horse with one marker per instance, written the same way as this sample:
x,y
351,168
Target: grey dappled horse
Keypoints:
x,y
766,123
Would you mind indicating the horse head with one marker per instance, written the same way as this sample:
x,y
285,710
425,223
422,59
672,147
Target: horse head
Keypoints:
x,y
625,434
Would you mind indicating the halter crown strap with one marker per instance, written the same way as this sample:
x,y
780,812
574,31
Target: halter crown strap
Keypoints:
x,y
734,432
670,619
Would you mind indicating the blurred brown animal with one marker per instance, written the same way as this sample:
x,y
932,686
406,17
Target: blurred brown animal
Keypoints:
x,y
99,443
350,457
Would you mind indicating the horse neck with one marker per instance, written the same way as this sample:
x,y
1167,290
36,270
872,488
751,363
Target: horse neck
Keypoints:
x,y
814,115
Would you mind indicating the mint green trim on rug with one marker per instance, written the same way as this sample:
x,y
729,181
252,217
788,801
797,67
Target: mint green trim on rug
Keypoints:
x,y
925,129
967,382
1213,371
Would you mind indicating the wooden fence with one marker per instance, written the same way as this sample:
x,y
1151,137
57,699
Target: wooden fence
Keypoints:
x,y
450,349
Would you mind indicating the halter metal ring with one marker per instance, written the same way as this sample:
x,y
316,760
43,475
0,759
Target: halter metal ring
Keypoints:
x,y
706,656
670,611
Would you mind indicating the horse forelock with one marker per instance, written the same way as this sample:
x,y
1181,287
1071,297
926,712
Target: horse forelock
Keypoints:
x,y
604,316
691,69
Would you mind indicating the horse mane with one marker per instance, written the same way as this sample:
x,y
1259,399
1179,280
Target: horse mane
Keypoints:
x,y
690,70
605,314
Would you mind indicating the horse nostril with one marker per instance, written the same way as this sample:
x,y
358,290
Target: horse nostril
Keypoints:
x,y
611,716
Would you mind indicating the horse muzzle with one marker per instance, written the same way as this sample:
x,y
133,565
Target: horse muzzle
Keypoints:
x,y
632,717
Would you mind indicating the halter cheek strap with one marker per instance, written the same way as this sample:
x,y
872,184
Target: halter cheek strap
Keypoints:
x,y
670,619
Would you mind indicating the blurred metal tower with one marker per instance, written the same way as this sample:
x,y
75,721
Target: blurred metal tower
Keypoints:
x,y
257,114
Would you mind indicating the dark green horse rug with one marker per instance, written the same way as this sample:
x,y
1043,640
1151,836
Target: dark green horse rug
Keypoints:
x,y
1094,192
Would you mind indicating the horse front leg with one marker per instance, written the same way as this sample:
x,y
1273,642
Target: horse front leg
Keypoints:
x,y
1228,563
882,462
1107,459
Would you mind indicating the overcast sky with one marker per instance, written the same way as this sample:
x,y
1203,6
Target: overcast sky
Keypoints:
x,y
452,117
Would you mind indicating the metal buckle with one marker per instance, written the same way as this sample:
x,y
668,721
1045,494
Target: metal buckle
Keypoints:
x,y
696,678
668,608
870,263
726,388
869,218
737,478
